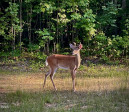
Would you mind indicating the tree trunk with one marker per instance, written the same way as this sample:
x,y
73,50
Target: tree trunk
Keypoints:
x,y
20,23
29,23
13,41
73,22
57,29
115,2
54,48
123,4
57,33
48,47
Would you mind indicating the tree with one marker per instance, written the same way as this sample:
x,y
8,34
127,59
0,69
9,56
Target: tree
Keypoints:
x,y
9,26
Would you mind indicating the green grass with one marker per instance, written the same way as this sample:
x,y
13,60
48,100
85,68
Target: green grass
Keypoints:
x,y
61,101
104,71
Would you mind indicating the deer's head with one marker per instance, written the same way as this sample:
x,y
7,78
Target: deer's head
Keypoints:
x,y
76,49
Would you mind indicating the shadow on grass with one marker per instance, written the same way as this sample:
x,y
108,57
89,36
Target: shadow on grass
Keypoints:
x,y
65,100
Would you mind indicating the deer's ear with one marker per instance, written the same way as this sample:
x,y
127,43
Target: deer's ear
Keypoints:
x,y
80,46
74,43
72,46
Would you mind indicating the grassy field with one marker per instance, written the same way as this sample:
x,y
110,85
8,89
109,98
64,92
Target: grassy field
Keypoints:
x,y
98,89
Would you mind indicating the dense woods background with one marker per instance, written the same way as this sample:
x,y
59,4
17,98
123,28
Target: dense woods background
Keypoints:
x,y
37,28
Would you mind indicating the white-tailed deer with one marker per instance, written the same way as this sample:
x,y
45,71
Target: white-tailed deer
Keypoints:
x,y
56,61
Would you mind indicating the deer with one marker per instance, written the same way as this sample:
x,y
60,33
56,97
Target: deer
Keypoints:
x,y
71,62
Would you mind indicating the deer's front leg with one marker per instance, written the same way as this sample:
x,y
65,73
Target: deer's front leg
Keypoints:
x,y
73,74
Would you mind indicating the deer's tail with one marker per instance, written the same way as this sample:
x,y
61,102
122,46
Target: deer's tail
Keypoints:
x,y
46,62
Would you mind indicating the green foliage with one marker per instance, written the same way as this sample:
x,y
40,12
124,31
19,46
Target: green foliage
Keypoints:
x,y
35,65
108,48
33,47
86,24
15,53
47,6
37,60
106,21
44,36
10,16
126,31
101,26
9,23
100,41
109,14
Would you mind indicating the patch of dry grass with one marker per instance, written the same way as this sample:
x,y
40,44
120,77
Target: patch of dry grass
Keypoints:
x,y
34,82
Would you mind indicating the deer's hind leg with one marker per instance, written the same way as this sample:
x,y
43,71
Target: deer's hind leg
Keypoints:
x,y
46,75
53,71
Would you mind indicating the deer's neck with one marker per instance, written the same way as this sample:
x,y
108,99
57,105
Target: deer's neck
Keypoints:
x,y
77,60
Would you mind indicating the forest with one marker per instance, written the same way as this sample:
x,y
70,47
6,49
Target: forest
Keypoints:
x,y
32,30
36,28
